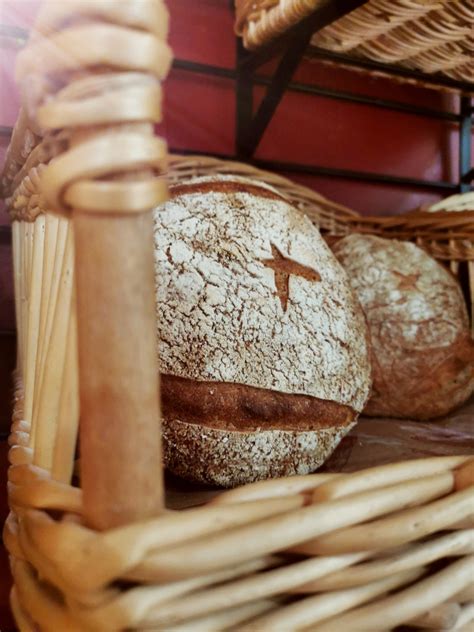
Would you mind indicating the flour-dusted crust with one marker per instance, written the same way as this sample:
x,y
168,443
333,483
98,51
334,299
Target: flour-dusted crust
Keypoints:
x,y
250,299
229,458
422,350
219,316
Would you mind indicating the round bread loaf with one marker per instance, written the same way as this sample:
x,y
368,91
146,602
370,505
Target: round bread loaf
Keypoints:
x,y
263,347
422,351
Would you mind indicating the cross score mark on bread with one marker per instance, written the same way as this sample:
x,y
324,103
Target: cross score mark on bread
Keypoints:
x,y
283,269
407,281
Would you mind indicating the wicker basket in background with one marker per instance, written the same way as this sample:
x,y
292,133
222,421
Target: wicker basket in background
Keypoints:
x,y
427,35
447,236
364,551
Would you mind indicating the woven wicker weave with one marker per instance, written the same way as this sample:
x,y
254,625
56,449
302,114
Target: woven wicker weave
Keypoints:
x,y
365,551
427,35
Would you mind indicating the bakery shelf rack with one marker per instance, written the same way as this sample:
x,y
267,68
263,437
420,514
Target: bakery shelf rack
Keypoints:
x,y
291,47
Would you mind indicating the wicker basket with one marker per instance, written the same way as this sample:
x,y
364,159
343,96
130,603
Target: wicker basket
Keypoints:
x,y
366,551
432,36
447,236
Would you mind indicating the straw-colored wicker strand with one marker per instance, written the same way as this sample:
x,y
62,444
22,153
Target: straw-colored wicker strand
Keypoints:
x,y
52,382
394,531
366,23
19,257
16,255
58,236
311,610
27,489
380,477
331,486
78,104
42,606
274,488
26,279
272,534
26,203
245,590
40,155
24,622
415,555
116,611
465,595
64,50
256,20
465,621
408,603
68,410
54,543
50,241
34,300
429,35
444,616
97,157
230,619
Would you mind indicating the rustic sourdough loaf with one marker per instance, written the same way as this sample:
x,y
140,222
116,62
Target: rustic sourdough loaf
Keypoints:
x,y
263,348
422,351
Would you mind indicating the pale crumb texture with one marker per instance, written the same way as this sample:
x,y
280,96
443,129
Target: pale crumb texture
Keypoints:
x,y
219,316
229,458
423,354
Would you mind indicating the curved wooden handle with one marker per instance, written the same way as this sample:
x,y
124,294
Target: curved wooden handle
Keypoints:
x,y
99,85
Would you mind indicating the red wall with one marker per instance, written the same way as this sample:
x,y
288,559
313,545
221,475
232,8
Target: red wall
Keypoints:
x,y
200,115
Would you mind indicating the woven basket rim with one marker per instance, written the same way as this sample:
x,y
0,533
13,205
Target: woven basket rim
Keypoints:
x,y
415,217
236,167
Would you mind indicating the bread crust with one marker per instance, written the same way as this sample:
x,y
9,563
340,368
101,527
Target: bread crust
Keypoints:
x,y
230,458
422,351
240,407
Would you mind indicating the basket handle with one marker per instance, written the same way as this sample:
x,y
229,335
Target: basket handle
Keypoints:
x,y
100,65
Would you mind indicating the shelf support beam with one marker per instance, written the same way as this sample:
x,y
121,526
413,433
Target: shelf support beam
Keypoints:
x,y
244,102
250,129
465,138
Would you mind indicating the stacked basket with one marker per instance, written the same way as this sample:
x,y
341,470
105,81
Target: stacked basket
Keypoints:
x,y
427,35
365,551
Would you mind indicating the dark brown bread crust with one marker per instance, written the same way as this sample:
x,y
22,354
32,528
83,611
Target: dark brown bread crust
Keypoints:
x,y
240,407
435,382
